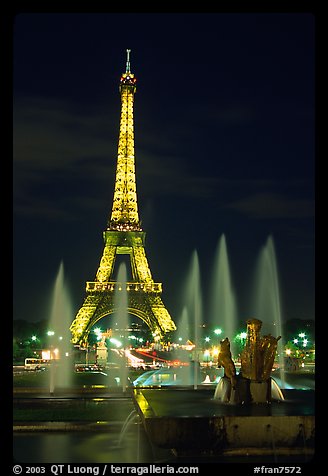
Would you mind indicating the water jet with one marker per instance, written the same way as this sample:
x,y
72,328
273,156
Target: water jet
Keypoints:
x,y
61,366
268,299
223,305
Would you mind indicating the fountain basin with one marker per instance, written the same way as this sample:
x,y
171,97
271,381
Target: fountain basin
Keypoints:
x,y
193,423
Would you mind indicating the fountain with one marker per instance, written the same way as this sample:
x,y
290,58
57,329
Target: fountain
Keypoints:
x,y
246,414
194,309
121,306
61,367
267,298
223,302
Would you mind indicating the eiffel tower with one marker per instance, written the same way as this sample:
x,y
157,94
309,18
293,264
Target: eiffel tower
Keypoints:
x,y
123,236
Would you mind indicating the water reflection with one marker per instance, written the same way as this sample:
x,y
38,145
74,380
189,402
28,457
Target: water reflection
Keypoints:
x,y
84,447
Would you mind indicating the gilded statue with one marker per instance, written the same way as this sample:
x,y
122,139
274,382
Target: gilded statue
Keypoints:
x,y
225,361
258,355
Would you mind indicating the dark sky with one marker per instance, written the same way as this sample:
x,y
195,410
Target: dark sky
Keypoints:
x,y
224,144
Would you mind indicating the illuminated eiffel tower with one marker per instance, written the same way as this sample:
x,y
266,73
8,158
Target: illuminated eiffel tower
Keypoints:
x,y
123,236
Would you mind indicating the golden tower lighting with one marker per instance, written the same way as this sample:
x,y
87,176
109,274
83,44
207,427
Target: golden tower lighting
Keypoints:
x,y
123,236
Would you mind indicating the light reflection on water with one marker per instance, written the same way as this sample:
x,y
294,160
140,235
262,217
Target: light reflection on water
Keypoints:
x,y
84,447
102,446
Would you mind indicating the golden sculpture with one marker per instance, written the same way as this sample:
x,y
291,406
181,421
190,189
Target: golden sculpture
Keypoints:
x,y
253,383
225,361
258,355
268,348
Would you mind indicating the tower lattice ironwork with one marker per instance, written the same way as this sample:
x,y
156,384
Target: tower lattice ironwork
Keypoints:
x,y
123,236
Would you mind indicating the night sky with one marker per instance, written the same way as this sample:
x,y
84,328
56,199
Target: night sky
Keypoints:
x,y
224,144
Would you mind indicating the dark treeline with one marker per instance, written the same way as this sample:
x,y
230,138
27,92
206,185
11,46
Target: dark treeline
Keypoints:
x,y
24,330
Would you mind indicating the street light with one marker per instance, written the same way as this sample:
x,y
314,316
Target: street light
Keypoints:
x,y
98,333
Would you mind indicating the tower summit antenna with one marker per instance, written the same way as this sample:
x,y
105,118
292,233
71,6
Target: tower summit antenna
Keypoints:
x,y
128,61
